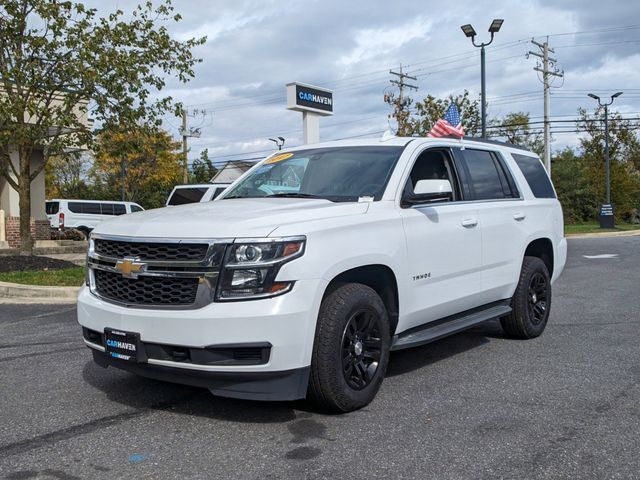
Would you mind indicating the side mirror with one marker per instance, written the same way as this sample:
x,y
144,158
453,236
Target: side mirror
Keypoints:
x,y
429,191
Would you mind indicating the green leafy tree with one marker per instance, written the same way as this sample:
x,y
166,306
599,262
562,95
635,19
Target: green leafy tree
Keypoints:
x,y
418,119
515,128
575,192
624,146
202,169
60,62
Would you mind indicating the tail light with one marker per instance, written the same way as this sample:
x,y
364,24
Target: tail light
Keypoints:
x,y
61,221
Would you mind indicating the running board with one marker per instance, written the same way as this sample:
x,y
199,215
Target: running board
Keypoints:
x,y
448,326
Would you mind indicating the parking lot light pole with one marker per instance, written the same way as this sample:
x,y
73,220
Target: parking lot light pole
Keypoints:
x,y
469,31
606,142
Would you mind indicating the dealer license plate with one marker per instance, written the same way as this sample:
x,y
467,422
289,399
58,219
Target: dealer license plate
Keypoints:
x,y
122,345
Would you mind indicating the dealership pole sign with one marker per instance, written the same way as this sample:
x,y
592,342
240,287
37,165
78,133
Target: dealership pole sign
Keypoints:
x,y
314,102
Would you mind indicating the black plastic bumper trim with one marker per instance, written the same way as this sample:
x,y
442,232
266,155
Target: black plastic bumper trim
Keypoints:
x,y
282,385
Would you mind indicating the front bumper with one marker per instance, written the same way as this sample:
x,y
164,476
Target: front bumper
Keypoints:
x,y
287,323
266,386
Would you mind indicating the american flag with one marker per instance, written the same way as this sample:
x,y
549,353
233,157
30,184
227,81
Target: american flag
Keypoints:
x,y
448,125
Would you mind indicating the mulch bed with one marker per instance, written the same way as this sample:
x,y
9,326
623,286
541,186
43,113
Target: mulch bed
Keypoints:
x,y
17,263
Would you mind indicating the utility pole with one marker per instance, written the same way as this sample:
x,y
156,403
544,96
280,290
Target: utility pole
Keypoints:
x,y
401,84
185,149
546,75
186,133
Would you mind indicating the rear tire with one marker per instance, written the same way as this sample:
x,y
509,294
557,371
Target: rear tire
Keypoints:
x,y
531,302
351,349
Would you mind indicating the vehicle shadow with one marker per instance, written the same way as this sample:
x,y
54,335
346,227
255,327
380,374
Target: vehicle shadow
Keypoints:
x,y
405,361
145,394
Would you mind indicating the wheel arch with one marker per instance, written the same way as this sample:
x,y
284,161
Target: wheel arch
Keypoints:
x,y
542,248
380,278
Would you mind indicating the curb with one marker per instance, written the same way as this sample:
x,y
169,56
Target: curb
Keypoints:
x,y
37,293
630,233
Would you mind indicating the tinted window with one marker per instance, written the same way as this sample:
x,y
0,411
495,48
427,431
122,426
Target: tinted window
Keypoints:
x,y
52,208
536,176
75,207
484,175
119,209
136,208
107,209
433,165
182,196
91,208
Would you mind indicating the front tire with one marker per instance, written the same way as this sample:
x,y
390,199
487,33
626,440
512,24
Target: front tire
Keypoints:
x,y
351,349
531,302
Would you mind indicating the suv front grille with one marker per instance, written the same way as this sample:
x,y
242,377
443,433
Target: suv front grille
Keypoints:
x,y
152,251
156,273
146,290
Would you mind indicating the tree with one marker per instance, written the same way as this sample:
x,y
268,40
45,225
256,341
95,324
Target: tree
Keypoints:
x,y
202,169
60,62
575,192
66,174
419,120
624,146
402,113
514,128
148,157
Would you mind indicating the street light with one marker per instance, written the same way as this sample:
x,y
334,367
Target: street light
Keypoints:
x,y
606,151
469,32
279,141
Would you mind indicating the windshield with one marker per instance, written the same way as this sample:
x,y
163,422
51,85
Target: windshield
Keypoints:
x,y
336,174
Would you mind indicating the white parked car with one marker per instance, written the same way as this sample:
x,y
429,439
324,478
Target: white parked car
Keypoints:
x,y
84,215
205,192
369,246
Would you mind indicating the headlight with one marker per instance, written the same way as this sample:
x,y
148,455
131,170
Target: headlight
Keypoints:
x,y
250,268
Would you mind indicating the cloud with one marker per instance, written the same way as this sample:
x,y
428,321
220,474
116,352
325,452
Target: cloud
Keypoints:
x,y
372,42
255,48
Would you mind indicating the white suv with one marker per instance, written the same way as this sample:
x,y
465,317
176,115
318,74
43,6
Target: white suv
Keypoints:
x,y
302,277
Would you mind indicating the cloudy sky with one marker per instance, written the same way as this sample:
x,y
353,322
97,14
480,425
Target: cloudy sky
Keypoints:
x,y
255,47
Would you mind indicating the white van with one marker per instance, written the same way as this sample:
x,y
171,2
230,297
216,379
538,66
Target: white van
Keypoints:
x,y
205,192
84,215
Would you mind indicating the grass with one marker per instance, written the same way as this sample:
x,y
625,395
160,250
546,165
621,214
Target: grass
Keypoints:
x,y
64,277
594,227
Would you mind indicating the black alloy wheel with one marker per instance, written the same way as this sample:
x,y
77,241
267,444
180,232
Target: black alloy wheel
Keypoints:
x,y
538,287
361,348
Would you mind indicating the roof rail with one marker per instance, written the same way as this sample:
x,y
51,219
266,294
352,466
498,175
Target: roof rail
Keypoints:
x,y
490,142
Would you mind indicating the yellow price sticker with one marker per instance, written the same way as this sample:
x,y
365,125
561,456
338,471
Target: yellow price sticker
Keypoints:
x,y
279,158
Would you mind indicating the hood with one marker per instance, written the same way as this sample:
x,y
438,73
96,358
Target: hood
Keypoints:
x,y
241,217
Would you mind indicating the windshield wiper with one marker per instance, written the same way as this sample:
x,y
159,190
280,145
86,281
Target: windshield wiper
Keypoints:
x,y
295,195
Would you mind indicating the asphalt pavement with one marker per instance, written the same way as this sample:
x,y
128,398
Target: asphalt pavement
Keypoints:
x,y
475,405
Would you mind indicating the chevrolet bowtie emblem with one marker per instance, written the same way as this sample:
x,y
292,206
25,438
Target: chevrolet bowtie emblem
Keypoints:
x,y
130,267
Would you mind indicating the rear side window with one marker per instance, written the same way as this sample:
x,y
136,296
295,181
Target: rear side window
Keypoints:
x,y
107,209
75,207
536,175
487,180
119,209
182,196
91,208
52,208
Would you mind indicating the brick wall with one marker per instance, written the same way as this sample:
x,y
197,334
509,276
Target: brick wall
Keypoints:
x,y
40,230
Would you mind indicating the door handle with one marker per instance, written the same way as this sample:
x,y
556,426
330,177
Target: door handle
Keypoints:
x,y
518,217
469,222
